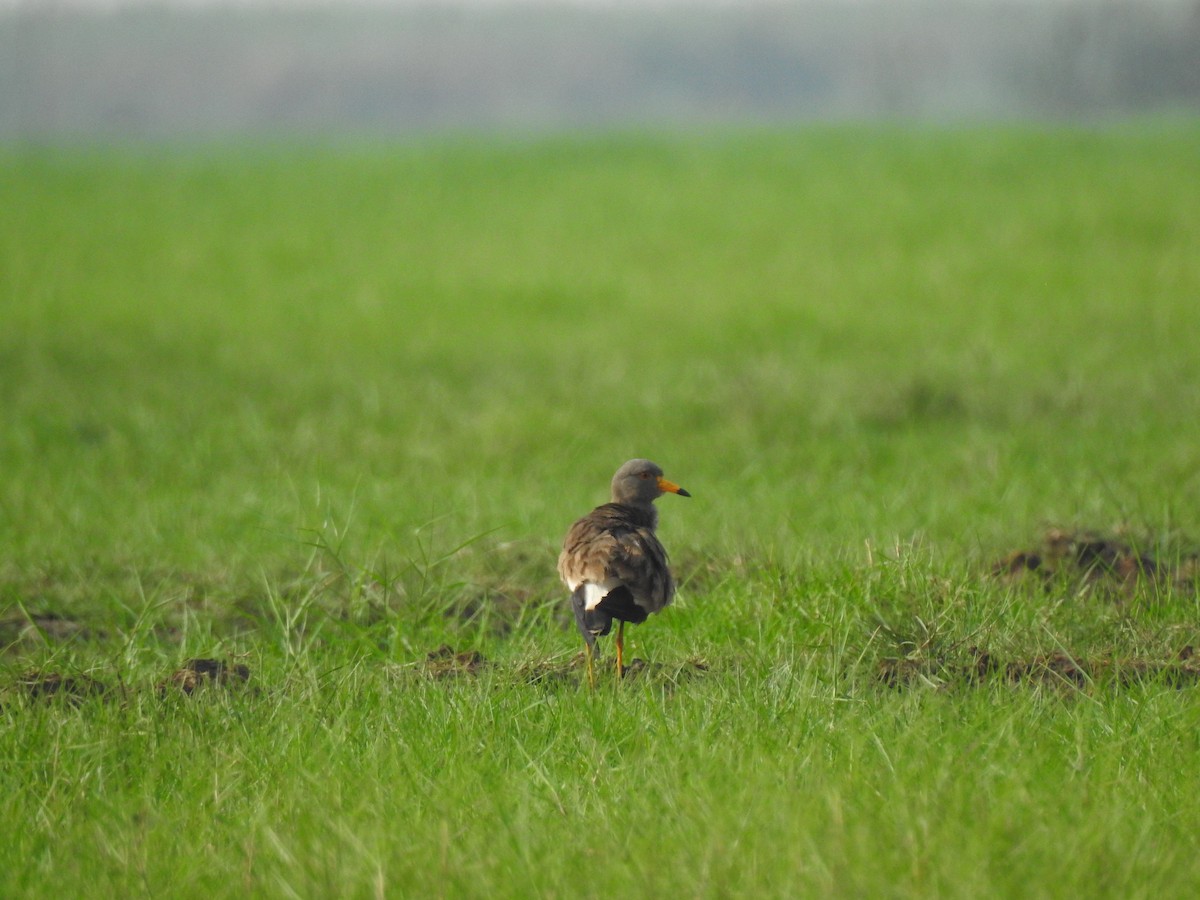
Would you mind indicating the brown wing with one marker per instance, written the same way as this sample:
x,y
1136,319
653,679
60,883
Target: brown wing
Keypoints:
x,y
614,545
640,563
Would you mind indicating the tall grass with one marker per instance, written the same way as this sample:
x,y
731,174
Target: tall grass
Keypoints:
x,y
319,412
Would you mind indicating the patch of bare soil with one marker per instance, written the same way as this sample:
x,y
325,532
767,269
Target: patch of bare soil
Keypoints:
x,y
197,674
1060,669
49,685
444,662
39,627
672,672
1094,559
574,670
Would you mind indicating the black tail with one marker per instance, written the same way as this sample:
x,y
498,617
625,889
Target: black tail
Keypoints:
x,y
619,604
593,623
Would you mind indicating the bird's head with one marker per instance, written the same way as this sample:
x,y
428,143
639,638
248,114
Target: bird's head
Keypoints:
x,y
640,482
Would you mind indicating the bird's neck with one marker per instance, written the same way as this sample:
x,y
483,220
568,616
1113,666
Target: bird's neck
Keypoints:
x,y
645,513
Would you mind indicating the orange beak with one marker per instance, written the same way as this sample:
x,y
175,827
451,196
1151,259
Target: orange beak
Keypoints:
x,y
670,487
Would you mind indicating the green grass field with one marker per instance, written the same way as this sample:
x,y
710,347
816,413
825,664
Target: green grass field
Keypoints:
x,y
322,413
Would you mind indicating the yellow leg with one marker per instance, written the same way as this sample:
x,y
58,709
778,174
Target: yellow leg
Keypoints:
x,y
621,648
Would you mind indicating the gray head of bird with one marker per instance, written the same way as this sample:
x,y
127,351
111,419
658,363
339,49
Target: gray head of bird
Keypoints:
x,y
640,482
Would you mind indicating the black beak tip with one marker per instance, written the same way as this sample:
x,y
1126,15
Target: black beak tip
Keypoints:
x,y
683,493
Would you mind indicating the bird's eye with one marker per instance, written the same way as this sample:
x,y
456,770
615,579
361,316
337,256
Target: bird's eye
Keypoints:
x,y
644,475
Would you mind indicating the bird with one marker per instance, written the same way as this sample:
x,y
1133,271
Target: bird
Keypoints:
x,y
612,561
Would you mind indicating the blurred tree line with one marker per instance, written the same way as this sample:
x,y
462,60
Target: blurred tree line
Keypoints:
x,y
150,71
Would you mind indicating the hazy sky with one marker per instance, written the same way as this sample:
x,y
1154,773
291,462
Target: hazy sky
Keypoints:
x,y
7,5
293,4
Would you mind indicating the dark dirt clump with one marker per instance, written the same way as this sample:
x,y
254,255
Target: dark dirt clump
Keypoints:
x,y
1060,669
49,685
574,670
196,674
1093,559
444,662
673,672
40,627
